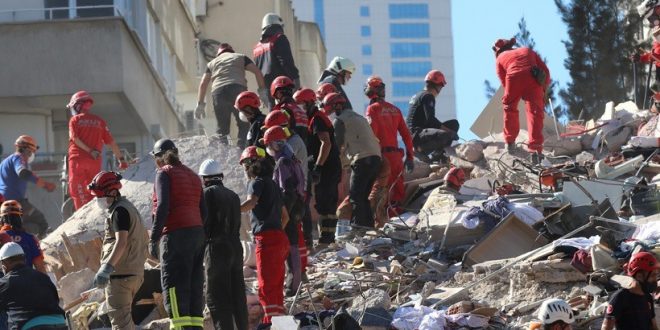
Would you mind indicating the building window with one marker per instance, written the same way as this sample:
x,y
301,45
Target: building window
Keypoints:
x,y
406,89
366,50
410,49
409,10
410,69
367,69
409,30
365,31
364,11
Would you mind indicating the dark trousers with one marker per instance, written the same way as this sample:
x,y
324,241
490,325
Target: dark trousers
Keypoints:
x,y
182,274
225,286
363,176
434,139
223,106
326,199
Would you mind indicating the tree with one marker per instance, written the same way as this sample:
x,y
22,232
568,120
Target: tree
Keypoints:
x,y
601,35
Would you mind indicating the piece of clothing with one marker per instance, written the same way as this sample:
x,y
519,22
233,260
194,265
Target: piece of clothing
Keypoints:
x,y
302,250
119,296
514,69
81,173
228,69
300,152
378,197
429,140
320,123
297,117
421,113
25,294
273,56
288,174
223,220
272,250
363,177
11,185
631,311
123,215
182,271
652,56
34,221
267,214
177,200
294,268
223,107
91,130
331,78
28,242
353,133
254,131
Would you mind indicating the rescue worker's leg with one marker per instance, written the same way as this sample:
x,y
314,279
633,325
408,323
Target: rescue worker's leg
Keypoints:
x,y
230,94
272,249
395,180
434,140
293,258
218,259
222,112
81,173
302,249
119,296
512,93
307,225
197,282
364,174
326,195
238,288
34,222
534,107
378,195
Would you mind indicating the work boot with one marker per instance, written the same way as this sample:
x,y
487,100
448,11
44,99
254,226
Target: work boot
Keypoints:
x,y
511,148
327,231
536,158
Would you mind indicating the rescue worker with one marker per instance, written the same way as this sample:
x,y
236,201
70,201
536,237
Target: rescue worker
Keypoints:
x,y
272,54
15,174
378,199
386,120
225,286
88,133
652,56
12,225
178,234
523,75
338,73
282,90
323,90
268,218
354,135
124,249
632,308
454,179
226,72
247,104
556,314
430,136
29,296
281,118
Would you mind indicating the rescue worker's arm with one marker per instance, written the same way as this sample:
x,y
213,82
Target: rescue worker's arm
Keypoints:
x,y
428,105
162,206
373,120
86,148
258,76
27,175
285,217
203,211
541,64
203,86
121,222
501,73
326,144
249,203
282,52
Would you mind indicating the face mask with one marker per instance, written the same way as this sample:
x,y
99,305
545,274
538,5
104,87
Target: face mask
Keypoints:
x,y
73,112
102,203
243,117
271,151
31,158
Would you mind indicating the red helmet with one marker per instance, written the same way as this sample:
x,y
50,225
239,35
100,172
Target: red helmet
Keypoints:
x,y
253,153
281,82
224,48
642,261
104,183
436,77
455,176
375,87
325,89
656,97
245,99
276,118
26,141
331,100
503,43
305,95
79,97
11,207
276,133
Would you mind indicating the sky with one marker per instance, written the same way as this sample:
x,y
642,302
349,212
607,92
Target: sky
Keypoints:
x,y
474,33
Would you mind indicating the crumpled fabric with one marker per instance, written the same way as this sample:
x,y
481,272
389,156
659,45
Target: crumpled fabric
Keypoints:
x,y
648,232
528,214
434,321
582,243
467,320
491,212
410,318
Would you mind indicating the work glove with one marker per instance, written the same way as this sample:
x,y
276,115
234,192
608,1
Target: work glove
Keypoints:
x,y
153,249
263,96
95,154
103,276
316,173
200,110
122,164
409,164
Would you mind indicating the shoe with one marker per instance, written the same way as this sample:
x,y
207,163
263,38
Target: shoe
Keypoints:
x,y
536,158
510,148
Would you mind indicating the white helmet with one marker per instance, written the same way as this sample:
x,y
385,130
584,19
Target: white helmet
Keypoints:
x,y
210,168
9,250
339,64
270,19
553,310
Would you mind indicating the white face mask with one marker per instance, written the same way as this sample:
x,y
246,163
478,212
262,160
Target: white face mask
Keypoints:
x,y
656,38
73,111
332,116
271,151
103,203
31,158
243,117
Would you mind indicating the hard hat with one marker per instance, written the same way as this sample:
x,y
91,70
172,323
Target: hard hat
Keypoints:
x,y
275,133
104,183
305,95
642,261
503,43
247,98
331,100
339,64
163,145
270,19
253,153
209,168
26,141
11,207
79,97
455,176
325,89
553,310
281,82
435,77
374,87
276,118
224,48
9,250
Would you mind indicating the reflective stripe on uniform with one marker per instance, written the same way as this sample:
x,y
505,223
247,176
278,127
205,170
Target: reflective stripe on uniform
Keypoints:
x,y
197,321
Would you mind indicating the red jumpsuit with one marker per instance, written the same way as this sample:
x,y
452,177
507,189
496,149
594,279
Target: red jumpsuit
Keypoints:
x,y
514,68
653,55
93,131
386,120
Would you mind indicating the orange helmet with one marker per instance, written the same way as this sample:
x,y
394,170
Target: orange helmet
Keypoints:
x,y
79,97
252,153
11,207
642,261
436,77
281,82
374,87
104,183
276,118
247,99
276,133
325,89
331,100
26,141
304,95
455,176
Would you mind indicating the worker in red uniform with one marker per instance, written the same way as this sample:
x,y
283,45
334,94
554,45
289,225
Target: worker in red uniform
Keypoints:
x,y
87,135
11,214
268,218
282,91
652,56
247,104
386,121
523,75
